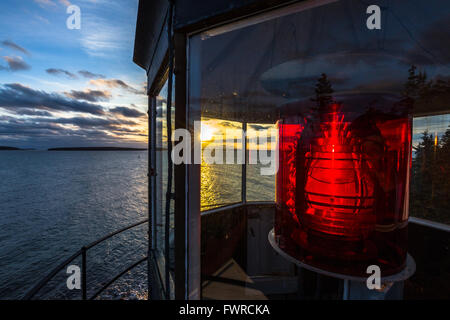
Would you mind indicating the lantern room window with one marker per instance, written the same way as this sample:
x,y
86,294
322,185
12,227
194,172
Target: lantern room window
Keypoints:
x,y
343,98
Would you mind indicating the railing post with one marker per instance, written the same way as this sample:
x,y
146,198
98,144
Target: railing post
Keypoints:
x,y
83,273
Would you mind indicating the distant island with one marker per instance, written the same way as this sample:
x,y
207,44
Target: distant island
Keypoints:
x,y
5,148
8,148
96,149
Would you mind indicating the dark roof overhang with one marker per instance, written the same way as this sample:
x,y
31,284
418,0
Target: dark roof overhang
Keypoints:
x,y
189,16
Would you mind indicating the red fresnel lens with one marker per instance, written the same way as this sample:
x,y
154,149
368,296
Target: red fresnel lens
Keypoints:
x,y
342,184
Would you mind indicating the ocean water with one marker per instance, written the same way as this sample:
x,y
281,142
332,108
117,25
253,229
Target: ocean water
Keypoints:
x,y
221,184
53,203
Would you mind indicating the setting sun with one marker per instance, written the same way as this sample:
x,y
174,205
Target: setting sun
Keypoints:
x,y
206,133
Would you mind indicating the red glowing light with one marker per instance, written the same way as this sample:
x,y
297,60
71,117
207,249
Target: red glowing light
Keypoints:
x,y
338,195
342,185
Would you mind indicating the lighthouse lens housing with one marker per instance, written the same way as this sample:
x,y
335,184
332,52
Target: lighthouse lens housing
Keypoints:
x,y
342,184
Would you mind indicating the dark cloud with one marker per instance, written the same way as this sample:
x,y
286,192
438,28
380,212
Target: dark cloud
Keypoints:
x,y
59,72
15,64
29,112
56,126
14,46
12,126
90,75
89,95
81,122
431,46
85,122
383,85
115,83
32,123
128,112
258,127
42,135
230,125
128,131
15,95
144,86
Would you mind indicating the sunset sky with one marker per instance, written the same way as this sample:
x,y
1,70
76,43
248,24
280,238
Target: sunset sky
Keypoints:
x,y
61,87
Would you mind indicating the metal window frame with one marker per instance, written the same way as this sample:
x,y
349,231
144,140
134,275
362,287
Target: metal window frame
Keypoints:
x,y
157,287
181,171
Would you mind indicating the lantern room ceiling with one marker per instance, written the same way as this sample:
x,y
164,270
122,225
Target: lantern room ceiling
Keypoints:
x,y
189,16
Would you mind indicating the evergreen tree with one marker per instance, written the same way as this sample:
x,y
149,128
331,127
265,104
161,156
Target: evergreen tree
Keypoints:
x,y
442,179
422,181
416,83
430,183
324,91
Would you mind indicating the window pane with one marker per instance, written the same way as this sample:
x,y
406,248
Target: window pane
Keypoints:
x,y
220,181
430,185
161,182
261,154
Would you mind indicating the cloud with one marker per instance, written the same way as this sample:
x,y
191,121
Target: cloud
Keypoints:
x,y
90,75
65,2
30,112
20,127
57,129
128,112
14,46
230,125
43,3
15,95
259,127
89,95
80,122
431,48
47,3
89,122
66,132
107,37
114,83
58,72
42,19
15,64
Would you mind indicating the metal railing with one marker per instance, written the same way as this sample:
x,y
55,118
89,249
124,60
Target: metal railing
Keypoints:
x,y
31,293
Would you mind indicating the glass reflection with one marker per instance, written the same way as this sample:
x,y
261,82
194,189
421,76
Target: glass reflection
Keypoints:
x,y
220,183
